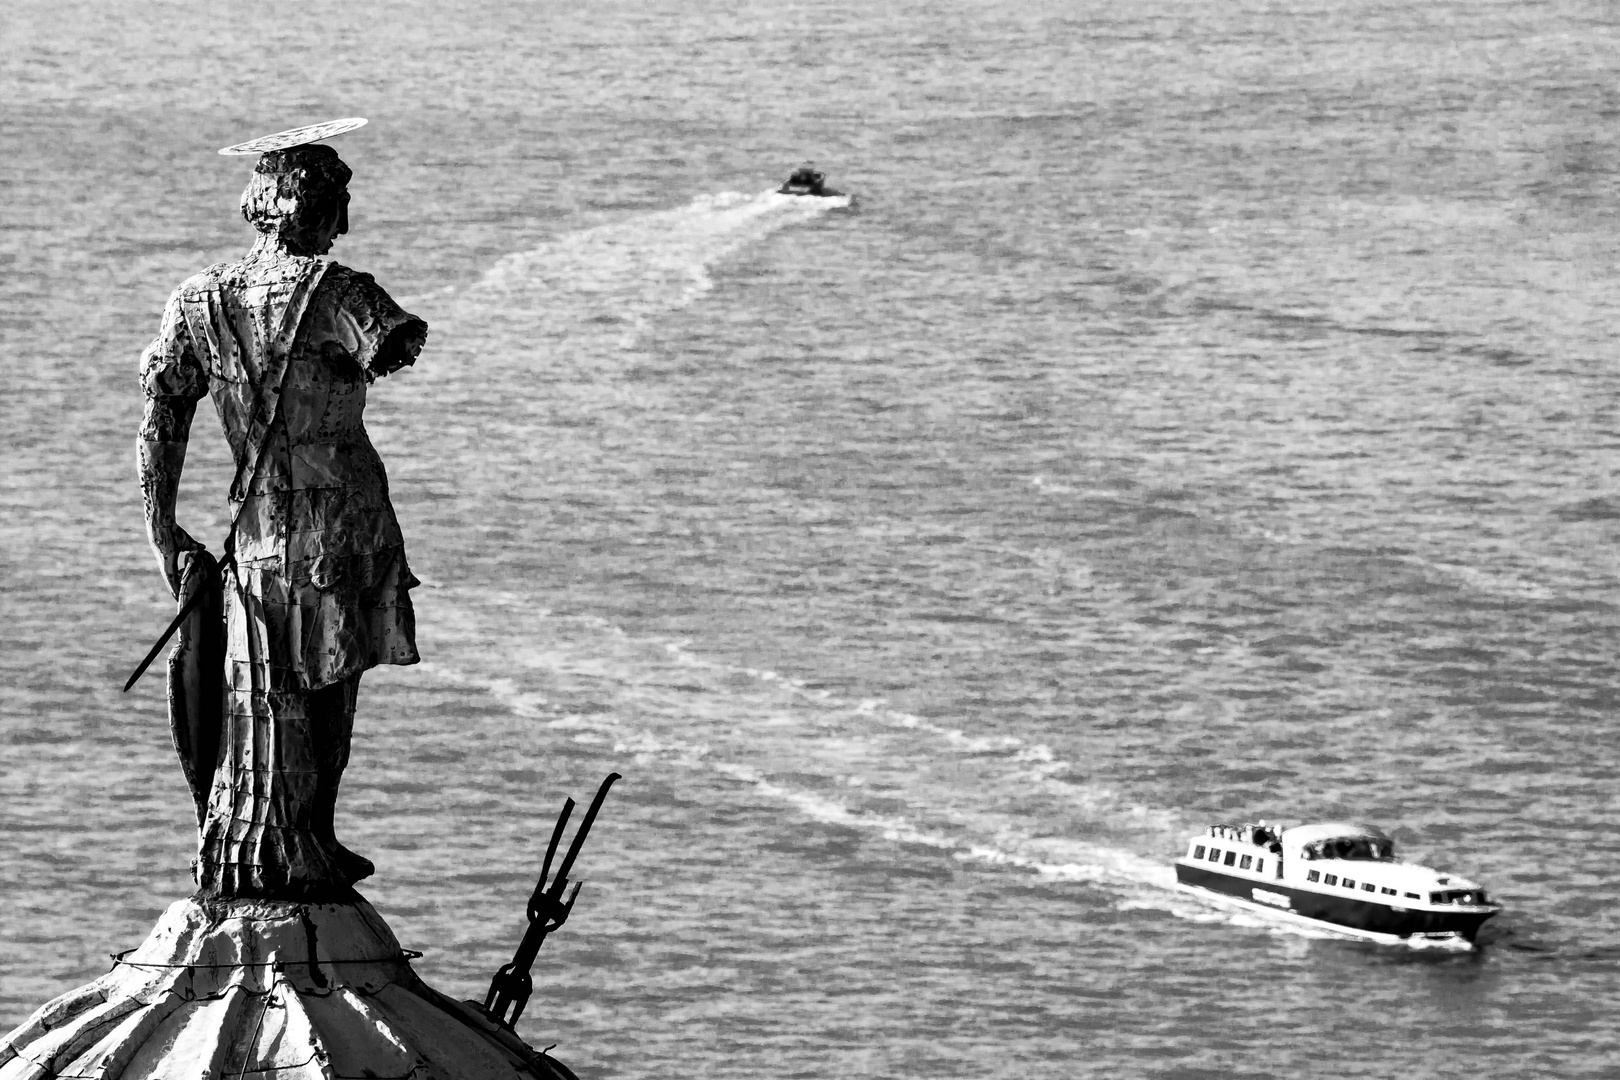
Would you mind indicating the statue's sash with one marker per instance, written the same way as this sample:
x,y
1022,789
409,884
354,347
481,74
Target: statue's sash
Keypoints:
x,y
250,326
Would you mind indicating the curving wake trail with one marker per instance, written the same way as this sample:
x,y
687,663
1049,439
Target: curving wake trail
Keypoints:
x,y
609,282
531,406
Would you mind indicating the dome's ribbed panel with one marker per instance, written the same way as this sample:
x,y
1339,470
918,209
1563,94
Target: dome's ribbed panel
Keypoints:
x,y
196,1040
111,1057
357,1036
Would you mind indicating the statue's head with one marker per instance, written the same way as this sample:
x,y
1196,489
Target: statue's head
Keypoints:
x,y
300,196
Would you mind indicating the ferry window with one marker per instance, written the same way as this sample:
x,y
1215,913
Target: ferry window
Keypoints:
x,y
1259,866
1387,891
1349,882
1214,854
1198,852
1369,887
1231,857
1247,859
1314,875
1413,896
1331,879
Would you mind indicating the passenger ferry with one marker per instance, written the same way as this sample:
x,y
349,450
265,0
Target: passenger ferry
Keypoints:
x,y
1341,877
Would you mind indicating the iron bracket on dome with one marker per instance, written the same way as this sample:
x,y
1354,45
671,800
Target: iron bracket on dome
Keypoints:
x,y
511,986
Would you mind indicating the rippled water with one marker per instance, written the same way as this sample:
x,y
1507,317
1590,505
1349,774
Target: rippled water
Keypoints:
x,y
1205,411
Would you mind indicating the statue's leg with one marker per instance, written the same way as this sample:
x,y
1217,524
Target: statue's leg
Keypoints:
x,y
331,713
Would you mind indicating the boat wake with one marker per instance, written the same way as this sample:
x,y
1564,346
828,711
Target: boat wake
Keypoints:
x,y
613,279
862,766
550,329
855,765
859,765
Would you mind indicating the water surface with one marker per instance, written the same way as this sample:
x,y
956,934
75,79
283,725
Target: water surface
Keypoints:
x,y
1204,413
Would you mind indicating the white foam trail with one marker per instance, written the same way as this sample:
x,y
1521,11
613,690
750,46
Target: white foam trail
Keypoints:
x,y
616,277
819,807
1066,860
1044,763
1143,883
968,836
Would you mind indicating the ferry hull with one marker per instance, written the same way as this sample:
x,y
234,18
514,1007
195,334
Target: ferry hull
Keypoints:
x,y
1365,916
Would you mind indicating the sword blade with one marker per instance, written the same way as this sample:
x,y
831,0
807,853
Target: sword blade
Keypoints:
x,y
186,609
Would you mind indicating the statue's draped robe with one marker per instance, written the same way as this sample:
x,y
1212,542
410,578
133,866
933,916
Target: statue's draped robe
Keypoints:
x,y
285,345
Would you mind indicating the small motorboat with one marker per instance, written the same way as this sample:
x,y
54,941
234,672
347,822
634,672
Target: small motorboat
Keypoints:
x,y
807,181
1336,876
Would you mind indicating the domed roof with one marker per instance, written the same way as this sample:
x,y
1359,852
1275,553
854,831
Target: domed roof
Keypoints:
x,y
273,991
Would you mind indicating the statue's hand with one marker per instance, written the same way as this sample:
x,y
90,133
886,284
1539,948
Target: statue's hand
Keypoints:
x,y
169,551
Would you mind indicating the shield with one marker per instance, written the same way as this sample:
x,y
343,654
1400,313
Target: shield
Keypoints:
x,y
197,677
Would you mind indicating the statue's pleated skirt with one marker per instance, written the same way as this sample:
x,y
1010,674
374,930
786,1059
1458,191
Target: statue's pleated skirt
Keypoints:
x,y
269,827
294,652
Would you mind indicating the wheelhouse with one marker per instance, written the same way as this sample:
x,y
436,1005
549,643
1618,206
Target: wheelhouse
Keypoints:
x,y
1351,848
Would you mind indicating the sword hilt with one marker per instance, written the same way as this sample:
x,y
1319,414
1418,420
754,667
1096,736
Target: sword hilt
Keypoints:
x,y
185,609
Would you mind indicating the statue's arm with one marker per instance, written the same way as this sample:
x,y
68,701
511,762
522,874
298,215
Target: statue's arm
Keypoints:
x,y
172,380
161,455
401,347
385,337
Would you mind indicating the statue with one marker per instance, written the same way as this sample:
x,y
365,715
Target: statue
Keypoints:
x,y
315,582
277,967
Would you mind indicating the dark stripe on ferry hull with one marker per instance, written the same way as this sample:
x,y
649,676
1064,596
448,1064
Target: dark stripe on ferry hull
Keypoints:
x,y
1372,916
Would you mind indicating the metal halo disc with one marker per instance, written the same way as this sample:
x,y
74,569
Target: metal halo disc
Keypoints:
x,y
281,140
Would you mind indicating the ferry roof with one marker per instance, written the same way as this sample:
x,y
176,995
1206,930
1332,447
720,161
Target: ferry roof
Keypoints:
x,y
1300,835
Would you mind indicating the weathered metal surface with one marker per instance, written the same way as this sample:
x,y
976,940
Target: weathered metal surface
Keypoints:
x,y
285,342
236,989
197,677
